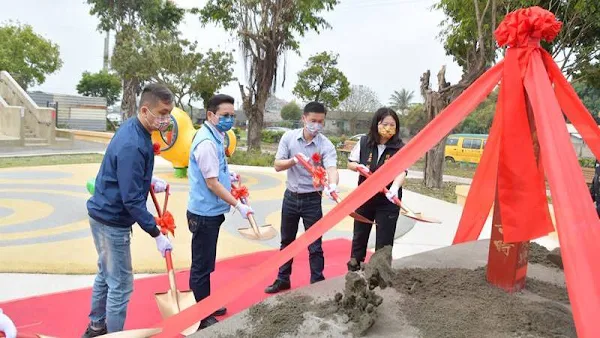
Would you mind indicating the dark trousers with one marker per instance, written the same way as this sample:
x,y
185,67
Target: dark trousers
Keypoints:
x,y
308,207
385,215
205,233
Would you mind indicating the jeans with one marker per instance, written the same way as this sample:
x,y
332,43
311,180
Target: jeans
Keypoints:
x,y
114,282
205,233
308,207
385,215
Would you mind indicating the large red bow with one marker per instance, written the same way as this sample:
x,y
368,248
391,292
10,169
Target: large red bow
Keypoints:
x,y
166,223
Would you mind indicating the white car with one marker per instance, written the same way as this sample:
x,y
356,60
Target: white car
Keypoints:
x,y
114,118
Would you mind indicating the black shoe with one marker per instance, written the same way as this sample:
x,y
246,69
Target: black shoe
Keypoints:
x,y
220,312
91,332
353,265
318,280
278,286
206,322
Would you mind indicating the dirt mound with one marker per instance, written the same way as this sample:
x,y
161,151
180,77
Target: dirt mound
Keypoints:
x,y
538,254
461,303
355,307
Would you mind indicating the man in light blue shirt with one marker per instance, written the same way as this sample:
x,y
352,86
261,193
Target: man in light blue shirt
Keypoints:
x,y
210,197
302,199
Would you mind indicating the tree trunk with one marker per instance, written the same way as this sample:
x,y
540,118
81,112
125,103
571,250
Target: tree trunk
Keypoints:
x,y
434,103
255,125
128,103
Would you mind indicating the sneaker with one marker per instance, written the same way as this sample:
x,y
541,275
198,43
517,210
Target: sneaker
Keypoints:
x,y
353,265
206,322
278,286
93,332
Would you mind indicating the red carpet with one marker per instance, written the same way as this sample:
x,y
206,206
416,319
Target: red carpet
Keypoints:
x,y
65,314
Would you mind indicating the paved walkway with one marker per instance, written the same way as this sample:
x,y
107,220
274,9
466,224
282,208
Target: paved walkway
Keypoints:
x,y
77,147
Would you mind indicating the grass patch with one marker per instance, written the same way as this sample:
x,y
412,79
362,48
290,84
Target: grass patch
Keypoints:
x,y
34,161
446,193
252,158
458,169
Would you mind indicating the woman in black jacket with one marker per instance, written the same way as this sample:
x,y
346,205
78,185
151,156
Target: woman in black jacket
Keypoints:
x,y
370,153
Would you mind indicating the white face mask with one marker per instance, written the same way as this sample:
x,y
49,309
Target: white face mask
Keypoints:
x,y
314,128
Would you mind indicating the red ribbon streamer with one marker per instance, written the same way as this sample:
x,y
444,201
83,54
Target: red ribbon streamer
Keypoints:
x,y
576,219
404,158
577,222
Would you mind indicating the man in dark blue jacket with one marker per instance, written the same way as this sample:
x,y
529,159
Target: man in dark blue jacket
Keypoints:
x,y
119,200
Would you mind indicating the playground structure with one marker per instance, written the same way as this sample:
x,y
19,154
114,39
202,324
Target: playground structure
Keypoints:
x,y
174,143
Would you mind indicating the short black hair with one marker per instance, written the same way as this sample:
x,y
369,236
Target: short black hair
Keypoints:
x,y
215,101
373,137
154,92
315,107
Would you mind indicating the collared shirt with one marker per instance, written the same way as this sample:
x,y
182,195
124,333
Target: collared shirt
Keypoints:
x,y
299,180
206,154
123,182
355,153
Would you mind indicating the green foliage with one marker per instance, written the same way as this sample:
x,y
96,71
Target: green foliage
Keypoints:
x,y
291,112
214,71
415,119
400,100
266,30
236,131
576,48
252,158
271,136
590,96
27,56
322,81
587,162
154,14
132,53
187,72
480,120
289,124
101,84
296,18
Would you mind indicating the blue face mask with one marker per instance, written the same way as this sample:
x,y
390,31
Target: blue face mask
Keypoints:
x,y
225,123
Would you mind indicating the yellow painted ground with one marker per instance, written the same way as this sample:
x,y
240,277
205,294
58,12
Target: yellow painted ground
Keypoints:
x,y
78,256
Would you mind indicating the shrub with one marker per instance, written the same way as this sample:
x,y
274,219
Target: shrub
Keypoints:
x,y
271,136
253,158
587,162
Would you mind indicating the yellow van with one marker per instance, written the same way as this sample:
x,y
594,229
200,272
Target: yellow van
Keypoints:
x,y
465,147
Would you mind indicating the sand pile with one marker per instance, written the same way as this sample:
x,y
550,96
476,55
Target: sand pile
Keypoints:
x,y
461,303
439,302
355,308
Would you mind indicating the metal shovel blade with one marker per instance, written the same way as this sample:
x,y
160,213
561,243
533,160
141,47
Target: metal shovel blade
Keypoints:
x,y
264,233
140,333
419,217
361,218
170,304
174,301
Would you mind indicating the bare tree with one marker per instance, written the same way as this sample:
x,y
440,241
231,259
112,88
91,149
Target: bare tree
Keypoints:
x,y
361,100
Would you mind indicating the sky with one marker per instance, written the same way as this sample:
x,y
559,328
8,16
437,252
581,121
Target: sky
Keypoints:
x,y
383,44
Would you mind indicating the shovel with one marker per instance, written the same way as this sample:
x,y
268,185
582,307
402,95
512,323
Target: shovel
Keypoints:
x,y
335,196
173,301
254,232
405,210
